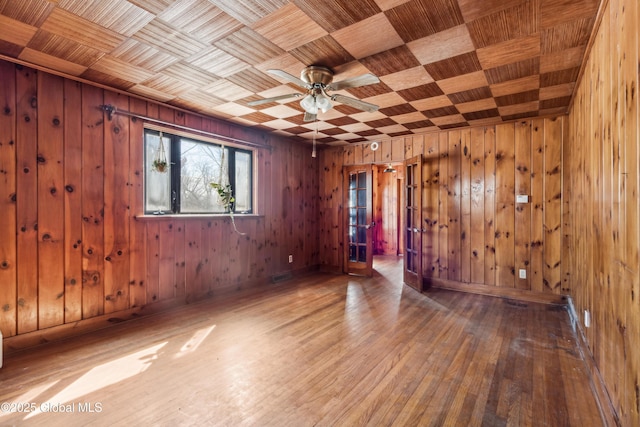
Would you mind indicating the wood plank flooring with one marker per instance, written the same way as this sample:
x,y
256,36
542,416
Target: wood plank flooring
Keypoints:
x,y
326,350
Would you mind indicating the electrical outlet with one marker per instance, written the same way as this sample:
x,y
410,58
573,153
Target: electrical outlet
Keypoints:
x,y
290,259
522,273
587,319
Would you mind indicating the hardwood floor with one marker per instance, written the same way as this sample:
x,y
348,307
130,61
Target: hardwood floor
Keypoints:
x,y
324,350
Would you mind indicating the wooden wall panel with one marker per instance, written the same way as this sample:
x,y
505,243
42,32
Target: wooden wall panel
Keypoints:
x,y
553,204
50,202
629,308
92,202
153,261
387,227
505,206
522,183
8,173
454,243
72,202
477,220
430,205
443,228
194,274
137,228
116,208
166,267
489,206
465,206
75,244
600,260
27,198
537,203
475,235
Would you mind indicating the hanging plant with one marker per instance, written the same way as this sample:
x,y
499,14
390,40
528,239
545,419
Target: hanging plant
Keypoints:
x,y
160,166
225,193
160,163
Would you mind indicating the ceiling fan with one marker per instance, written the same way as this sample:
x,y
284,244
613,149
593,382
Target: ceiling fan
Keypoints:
x,y
318,81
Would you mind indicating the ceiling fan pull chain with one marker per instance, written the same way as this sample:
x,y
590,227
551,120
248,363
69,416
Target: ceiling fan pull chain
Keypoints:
x,y
313,152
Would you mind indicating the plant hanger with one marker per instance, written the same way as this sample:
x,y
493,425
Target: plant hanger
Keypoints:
x,y
160,163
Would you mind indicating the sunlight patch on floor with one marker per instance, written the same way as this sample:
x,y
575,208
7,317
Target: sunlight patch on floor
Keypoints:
x,y
194,342
105,375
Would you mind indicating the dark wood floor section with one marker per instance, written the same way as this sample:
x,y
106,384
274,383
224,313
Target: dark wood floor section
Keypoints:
x,y
322,350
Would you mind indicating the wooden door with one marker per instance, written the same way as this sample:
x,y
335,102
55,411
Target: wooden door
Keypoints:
x,y
413,222
358,252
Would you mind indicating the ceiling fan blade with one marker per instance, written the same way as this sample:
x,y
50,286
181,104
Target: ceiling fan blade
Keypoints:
x,y
355,103
289,77
274,98
363,80
308,117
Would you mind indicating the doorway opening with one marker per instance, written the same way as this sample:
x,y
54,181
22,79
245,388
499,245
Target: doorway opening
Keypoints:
x,y
388,198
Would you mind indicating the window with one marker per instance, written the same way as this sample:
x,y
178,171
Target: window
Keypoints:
x,y
184,187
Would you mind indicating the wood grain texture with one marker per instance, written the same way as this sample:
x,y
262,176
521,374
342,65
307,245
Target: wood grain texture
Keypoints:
x,y
116,209
477,220
92,203
50,207
522,216
505,206
27,199
453,205
81,245
8,250
601,177
321,350
443,64
474,231
72,202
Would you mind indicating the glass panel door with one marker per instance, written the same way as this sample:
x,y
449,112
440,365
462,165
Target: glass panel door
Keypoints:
x,y
413,223
359,226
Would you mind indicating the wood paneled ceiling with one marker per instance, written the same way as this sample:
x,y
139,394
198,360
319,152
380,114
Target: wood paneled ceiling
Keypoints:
x,y
442,63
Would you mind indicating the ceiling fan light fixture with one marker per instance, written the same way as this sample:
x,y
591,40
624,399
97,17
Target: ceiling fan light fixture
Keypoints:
x,y
323,102
309,104
389,169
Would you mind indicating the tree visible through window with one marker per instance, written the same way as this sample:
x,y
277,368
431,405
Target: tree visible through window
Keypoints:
x,y
193,165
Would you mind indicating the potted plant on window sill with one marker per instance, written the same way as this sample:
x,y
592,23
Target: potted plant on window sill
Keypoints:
x,y
227,200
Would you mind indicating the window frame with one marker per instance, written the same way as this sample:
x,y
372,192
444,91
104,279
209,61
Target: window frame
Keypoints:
x,y
175,168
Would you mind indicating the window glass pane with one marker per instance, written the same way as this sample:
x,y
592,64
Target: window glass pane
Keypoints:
x,y
352,198
193,166
352,216
352,181
158,184
362,235
242,190
362,197
362,216
352,253
201,164
362,254
362,180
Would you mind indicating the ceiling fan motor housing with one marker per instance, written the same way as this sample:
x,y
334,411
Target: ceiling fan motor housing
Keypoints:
x,y
314,75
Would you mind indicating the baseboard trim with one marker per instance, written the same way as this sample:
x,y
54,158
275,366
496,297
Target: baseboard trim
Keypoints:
x,y
607,411
497,291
